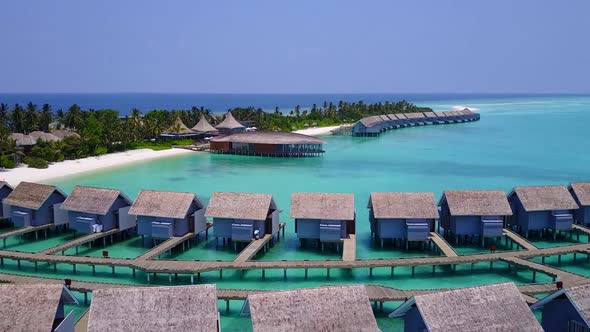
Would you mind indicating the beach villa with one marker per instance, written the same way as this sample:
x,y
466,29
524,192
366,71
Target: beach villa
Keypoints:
x,y
498,307
95,210
166,214
330,309
581,193
402,216
230,125
5,190
36,307
34,204
242,217
203,128
542,208
324,217
567,309
473,213
175,308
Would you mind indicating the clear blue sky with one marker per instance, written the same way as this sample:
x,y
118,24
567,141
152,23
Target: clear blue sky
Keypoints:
x,y
295,46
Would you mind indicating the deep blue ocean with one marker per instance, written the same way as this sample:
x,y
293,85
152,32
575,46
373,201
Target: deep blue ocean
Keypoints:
x,y
124,102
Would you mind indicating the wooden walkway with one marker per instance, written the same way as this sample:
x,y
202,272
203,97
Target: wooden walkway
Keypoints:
x,y
569,279
78,242
23,231
443,245
165,246
521,241
349,248
253,248
581,229
82,323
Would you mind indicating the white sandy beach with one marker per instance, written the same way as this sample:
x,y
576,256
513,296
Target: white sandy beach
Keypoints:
x,y
316,131
72,167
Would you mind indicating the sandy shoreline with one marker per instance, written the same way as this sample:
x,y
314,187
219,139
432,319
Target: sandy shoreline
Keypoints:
x,y
316,131
73,167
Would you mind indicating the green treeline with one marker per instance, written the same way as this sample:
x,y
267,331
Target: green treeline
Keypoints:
x,y
104,131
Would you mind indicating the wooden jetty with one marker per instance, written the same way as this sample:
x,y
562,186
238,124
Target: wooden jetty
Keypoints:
x,y
443,245
521,241
23,231
89,238
349,248
82,323
165,246
253,248
570,279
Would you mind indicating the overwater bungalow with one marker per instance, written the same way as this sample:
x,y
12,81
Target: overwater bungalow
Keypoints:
x,y
268,144
324,217
172,308
368,126
36,307
567,309
330,309
581,193
542,208
5,190
406,217
416,118
230,125
203,127
178,130
95,210
242,217
474,213
166,214
34,204
498,307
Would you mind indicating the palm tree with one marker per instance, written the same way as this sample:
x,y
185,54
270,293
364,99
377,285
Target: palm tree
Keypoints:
x,y
74,118
30,120
45,118
18,119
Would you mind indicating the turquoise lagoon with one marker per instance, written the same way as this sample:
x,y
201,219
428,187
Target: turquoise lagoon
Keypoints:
x,y
519,141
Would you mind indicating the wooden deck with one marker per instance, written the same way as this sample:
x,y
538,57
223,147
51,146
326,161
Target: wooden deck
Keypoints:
x,y
253,248
82,323
443,245
581,229
521,241
165,246
349,248
78,242
23,231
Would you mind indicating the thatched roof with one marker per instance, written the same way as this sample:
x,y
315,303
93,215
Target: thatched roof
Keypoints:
x,y
477,202
179,128
544,198
248,206
163,204
403,205
582,192
46,137
392,117
371,121
440,114
335,308
60,133
268,137
498,307
176,308
203,126
30,195
229,123
23,140
31,307
430,114
415,115
92,200
5,184
326,206
384,118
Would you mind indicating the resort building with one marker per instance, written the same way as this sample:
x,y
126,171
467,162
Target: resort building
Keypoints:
x,y
36,307
474,213
203,127
178,131
542,208
498,307
567,309
230,125
369,126
5,190
34,204
242,217
173,308
402,216
581,193
270,144
166,214
330,309
95,210
324,217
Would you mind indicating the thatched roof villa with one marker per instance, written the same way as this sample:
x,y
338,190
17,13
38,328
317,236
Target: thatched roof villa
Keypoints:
x,y
498,307
230,125
334,308
34,204
581,193
175,308
178,130
204,127
36,307
272,144
539,208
